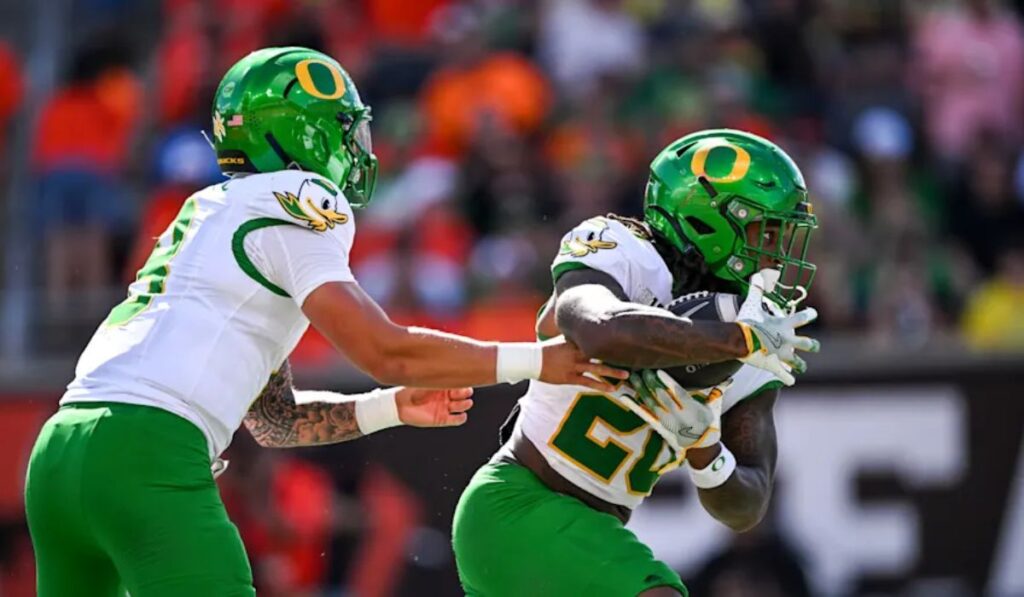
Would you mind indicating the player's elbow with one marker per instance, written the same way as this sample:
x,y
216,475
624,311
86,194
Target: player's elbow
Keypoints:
x,y
385,355
388,370
741,507
587,331
265,433
383,362
593,340
743,522
602,338
590,341
741,515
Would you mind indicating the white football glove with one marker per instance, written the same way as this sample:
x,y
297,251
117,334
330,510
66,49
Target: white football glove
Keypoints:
x,y
683,419
772,334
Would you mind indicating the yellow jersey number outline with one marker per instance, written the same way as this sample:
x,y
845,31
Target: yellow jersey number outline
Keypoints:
x,y
611,440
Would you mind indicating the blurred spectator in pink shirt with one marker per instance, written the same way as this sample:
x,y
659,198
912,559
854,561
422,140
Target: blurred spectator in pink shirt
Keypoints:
x,y
970,70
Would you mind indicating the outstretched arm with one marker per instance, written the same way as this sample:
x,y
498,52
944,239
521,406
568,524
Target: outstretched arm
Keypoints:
x,y
594,312
399,355
282,417
748,430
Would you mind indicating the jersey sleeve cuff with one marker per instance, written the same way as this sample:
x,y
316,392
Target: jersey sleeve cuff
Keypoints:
x,y
558,269
300,297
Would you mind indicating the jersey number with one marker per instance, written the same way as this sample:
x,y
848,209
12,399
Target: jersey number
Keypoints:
x,y
152,278
574,439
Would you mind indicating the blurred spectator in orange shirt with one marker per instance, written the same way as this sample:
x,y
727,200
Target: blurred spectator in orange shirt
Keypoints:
x,y
476,87
81,145
88,122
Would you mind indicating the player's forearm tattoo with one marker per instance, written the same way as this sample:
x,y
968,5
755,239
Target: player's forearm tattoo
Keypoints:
x,y
635,336
276,421
748,429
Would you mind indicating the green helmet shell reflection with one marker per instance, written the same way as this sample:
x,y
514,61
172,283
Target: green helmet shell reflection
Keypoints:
x,y
280,108
707,188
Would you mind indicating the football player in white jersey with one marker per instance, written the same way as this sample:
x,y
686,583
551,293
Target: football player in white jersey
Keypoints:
x,y
119,493
546,516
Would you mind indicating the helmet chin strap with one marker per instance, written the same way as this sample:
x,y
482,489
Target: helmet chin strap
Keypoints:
x,y
770,278
792,304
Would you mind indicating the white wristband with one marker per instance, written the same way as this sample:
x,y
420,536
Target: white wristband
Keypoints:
x,y
375,410
518,361
716,473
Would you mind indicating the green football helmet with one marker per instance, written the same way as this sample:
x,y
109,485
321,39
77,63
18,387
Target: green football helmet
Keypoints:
x,y
279,108
740,201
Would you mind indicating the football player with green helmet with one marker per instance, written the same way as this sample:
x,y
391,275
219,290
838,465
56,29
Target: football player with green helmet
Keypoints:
x,y
725,211
120,493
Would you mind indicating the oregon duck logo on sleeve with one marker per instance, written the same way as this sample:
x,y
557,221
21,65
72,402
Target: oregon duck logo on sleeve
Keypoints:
x,y
585,243
319,214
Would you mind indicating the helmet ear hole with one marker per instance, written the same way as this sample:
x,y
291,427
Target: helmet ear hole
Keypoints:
x,y
699,226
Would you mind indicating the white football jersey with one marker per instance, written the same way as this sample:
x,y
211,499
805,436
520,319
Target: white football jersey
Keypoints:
x,y
217,307
590,437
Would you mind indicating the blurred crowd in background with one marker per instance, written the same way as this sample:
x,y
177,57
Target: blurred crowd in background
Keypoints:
x,y
499,125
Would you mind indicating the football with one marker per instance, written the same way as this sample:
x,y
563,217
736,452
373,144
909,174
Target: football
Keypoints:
x,y
705,306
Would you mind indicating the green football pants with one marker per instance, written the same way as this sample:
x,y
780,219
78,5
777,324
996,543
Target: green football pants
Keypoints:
x,y
120,497
514,537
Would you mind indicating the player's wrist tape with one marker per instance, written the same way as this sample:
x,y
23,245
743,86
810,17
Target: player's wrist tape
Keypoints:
x,y
518,361
377,409
753,342
716,473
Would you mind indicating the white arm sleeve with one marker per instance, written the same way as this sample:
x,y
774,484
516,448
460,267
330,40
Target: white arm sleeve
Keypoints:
x,y
299,260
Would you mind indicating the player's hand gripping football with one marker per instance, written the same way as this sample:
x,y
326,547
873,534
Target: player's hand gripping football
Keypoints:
x,y
684,419
420,407
772,340
564,364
